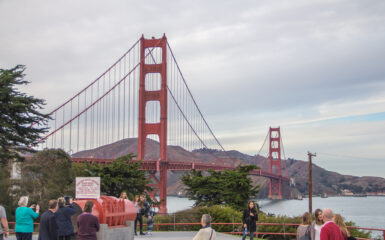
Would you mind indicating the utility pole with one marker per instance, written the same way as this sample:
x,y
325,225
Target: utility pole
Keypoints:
x,y
310,181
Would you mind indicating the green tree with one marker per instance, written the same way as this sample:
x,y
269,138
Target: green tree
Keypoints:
x,y
5,189
18,111
231,187
121,175
46,175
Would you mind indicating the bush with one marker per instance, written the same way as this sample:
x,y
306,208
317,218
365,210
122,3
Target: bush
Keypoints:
x,y
221,214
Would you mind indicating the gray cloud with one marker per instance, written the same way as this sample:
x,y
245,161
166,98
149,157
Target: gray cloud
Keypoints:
x,y
248,65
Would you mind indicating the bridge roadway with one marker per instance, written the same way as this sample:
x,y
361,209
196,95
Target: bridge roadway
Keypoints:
x,y
151,165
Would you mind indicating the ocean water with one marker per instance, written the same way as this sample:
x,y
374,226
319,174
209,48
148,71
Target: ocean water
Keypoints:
x,y
366,212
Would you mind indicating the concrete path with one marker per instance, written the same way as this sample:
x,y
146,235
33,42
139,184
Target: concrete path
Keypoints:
x,y
166,236
181,236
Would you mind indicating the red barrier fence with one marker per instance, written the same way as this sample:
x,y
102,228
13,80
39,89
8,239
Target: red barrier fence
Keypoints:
x,y
157,225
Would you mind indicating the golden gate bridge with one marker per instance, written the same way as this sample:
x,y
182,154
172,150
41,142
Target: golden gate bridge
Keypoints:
x,y
144,97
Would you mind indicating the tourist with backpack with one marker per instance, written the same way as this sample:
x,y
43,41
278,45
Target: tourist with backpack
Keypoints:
x,y
304,230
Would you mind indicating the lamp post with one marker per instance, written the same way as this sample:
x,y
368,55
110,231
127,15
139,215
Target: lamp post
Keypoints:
x,y
310,155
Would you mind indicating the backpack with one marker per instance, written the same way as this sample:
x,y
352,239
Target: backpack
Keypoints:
x,y
306,236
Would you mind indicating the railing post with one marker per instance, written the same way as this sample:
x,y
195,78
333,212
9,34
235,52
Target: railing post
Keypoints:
x,y
174,222
232,219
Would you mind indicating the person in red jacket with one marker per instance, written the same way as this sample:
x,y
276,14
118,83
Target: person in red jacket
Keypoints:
x,y
330,230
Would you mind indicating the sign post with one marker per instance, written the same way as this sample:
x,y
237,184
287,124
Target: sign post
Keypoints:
x,y
87,187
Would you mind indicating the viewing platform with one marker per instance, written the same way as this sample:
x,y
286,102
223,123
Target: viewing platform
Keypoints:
x,y
164,236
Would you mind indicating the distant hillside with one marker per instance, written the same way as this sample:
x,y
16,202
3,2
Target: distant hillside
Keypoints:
x,y
324,181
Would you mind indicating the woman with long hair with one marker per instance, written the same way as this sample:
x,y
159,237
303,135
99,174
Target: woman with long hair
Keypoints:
x,y
249,220
303,230
139,217
123,195
317,225
339,221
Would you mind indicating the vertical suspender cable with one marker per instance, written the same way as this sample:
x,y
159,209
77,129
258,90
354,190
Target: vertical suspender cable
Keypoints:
x,y
77,149
85,121
70,143
54,137
62,130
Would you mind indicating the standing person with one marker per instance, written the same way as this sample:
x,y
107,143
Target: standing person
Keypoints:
x,y
330,230
303,230
63,218
139,217
48,229
4,224
150,221
123,195
337,219
24,219
249,220
88,224
317,225
146,206
206,232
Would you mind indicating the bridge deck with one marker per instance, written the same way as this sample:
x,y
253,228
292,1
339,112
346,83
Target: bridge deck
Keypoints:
x,y
151,165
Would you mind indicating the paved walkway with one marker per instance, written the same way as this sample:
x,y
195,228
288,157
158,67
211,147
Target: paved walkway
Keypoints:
x,y
167,236
181,236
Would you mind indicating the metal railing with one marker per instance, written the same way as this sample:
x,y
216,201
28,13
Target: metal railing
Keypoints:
x,y
261,234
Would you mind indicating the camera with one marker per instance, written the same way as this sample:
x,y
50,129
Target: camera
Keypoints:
x,y
67,200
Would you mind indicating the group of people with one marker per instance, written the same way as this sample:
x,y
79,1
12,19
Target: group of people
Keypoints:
x,y
55,223
249,224
143,208
327,226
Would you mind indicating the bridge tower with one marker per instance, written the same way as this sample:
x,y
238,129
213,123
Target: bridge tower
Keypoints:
x,y
160,128
275,190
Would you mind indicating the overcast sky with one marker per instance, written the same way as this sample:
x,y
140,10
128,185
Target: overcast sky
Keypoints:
x,y
315,68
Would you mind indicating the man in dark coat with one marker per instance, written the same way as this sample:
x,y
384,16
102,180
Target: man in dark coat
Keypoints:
x,y
48,226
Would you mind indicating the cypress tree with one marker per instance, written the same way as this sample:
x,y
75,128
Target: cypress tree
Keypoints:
x,y
18,113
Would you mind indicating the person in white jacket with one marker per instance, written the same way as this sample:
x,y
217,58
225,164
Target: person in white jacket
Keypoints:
x,y
206,233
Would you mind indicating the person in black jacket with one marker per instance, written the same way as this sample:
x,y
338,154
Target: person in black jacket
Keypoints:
x,y
63,218
48,227
249,220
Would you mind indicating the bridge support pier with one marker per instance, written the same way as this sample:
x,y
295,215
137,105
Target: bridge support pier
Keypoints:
x,y
275,185
148,65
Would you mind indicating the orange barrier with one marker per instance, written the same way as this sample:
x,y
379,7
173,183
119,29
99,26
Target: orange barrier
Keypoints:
x,y
111,210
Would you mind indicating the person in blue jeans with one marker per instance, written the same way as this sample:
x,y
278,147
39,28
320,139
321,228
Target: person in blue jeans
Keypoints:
x,y
24,219
249,220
